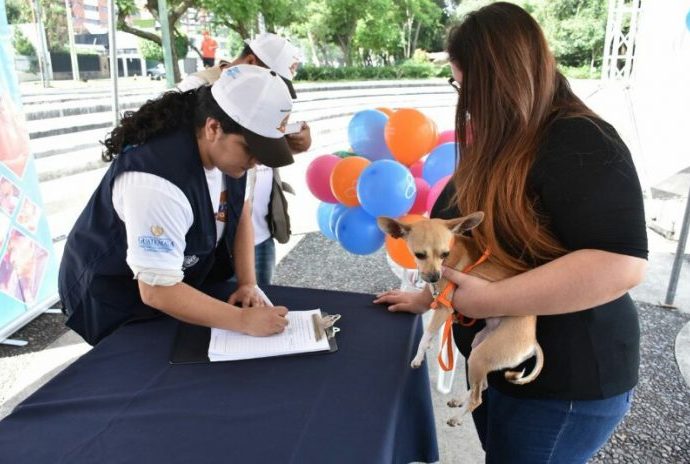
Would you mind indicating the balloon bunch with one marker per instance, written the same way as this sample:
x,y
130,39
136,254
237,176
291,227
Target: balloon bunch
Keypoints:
x,y
397,166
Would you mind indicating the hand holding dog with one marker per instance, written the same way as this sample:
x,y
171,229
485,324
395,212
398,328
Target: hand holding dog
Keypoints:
x,y
471,296
409,302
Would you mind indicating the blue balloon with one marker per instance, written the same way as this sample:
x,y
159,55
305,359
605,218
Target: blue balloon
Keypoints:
x,y
358,232
440,163
386,188
365,134
323,216
338,210
687,20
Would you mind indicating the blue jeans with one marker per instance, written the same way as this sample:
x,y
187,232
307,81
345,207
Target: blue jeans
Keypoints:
x,y
265,261
532,431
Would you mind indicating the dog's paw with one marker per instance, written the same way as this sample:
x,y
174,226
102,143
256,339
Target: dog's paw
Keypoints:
x,y
454,421
455,403
416,362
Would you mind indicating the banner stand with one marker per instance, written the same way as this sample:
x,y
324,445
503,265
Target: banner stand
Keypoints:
x,y
28,264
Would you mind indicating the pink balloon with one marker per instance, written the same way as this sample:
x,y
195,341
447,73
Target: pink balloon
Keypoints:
x,y
447,136
435,192
423,188
319,177
417,168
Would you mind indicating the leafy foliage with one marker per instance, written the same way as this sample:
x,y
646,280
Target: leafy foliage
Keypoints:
x,y
18,11
21,44
348,36
154,52
406,70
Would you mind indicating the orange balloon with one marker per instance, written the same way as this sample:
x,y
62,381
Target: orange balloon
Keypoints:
x,y
344,179
389,112
410,135
397,247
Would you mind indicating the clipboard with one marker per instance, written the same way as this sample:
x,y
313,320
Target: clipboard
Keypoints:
x,y
191,343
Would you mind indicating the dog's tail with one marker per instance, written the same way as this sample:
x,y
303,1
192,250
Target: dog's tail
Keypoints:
x,y
517,377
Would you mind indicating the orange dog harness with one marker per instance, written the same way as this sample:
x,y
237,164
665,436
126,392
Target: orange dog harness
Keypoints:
x,y
444,300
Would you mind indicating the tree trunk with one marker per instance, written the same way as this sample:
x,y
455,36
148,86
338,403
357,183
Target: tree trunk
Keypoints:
x,y
345,46
314,56
173,16
416,37
176,64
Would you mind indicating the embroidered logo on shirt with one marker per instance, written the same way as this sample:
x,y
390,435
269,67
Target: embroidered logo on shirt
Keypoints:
x,y
155,244
157,231
189,261
233,72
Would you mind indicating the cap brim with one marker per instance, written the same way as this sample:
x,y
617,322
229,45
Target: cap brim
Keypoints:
x,y
288,82
274,153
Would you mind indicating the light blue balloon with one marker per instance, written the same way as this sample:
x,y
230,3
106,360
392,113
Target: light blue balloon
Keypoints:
x,y
338,210
386,188
323,216
687,20
358,232
365,134
440,163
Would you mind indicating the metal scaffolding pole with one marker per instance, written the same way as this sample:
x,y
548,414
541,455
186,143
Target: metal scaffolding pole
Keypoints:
x,y
680,253
113,60
165,39
43,55
70,33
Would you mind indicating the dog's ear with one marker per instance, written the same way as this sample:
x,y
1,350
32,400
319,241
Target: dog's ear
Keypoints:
x,y
465,223
392,227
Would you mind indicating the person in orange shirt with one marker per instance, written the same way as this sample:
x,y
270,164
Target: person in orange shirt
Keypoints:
x,y
208,50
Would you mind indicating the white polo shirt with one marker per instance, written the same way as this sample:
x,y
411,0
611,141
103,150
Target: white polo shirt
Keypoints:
x,y
141,199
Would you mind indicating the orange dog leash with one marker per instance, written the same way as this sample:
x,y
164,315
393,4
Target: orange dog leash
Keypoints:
x,y
444,299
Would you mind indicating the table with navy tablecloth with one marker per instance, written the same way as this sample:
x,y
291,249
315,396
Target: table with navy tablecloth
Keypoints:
x,y
124,402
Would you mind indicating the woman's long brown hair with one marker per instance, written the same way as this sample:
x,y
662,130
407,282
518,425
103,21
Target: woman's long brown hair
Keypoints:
x,y
511,92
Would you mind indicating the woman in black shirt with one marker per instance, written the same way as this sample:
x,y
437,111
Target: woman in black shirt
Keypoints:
x,y
564,208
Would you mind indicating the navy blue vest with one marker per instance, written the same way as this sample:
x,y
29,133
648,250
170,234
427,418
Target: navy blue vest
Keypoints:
x,y
96,286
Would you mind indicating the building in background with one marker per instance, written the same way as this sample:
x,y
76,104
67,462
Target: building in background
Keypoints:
x,y
90,16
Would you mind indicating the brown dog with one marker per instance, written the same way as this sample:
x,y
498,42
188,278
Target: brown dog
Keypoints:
x,y
505,341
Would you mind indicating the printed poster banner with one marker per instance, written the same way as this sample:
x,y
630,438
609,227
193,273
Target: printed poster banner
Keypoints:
x,y
28,265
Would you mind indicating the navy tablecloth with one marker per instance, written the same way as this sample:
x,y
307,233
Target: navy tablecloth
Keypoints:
x,y
123,402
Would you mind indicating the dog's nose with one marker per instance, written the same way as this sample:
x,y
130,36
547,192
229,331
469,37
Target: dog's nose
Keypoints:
x,y
433,277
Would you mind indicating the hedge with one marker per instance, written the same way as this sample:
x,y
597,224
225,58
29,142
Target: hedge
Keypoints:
x,y
402,71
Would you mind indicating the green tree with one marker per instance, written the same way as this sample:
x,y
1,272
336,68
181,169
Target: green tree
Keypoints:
x,y
415,14
391,28
378,33
575,29
314,28
176,8
53,16
243,16
18,11
21,44
154,52
340,21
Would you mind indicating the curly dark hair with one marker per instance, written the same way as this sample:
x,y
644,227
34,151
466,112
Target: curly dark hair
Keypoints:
x,y
171,111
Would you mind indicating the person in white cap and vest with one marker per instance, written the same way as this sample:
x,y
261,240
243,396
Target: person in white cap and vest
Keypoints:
x,y
269,207
166,220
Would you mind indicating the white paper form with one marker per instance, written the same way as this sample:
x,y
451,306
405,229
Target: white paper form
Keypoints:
x,y
298,337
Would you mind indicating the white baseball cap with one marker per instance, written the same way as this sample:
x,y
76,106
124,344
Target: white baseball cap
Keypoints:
x,y
278,54
257,99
